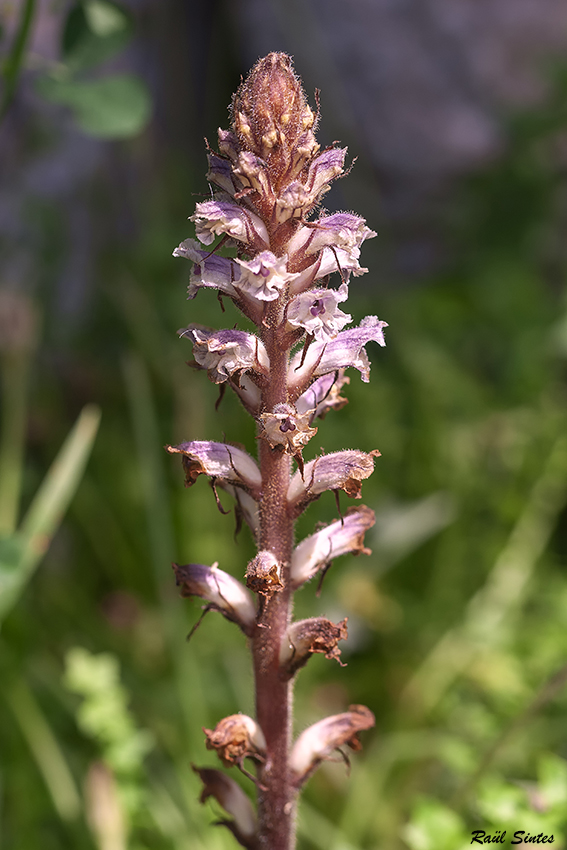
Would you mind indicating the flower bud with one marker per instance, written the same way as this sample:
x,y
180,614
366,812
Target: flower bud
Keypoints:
x,y
305,637
339,538
223,592
234,801
235,738
318,741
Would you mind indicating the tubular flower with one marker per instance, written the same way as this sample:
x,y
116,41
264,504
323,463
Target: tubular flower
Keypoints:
x,y
226,353
319,741
223,592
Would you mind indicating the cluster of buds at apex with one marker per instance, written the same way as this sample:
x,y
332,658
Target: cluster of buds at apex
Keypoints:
x,y
343,537
220,590
264,574
337,471
235,738
235,803
319,741
273,121
306,637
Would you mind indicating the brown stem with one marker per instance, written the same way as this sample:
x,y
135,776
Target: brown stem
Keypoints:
x,y
276,806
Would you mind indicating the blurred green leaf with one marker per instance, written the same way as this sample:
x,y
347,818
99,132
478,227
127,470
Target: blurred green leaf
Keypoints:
x,y
435,827
24,551
113,107
94,32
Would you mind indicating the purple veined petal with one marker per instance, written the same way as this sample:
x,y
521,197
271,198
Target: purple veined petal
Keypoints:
x,y
307,637
325,168
228,144
346,349
341,230
318,313
342,537
221,173
330,260
215,218
227,352
337,471
233,800
319,741
323,395
293,202
265,276
210,271
223,592
220,461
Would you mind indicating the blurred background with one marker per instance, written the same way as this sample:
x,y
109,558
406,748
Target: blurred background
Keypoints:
x,y
457,114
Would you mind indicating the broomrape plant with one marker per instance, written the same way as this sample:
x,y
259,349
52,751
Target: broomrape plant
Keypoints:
x,y
271,175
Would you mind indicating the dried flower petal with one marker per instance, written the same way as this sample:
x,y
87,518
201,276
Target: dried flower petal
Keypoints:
x,y
317,312
264,574
306,637
223,592
323,395
284,426
214,218
265,276
226,353
339,538
337,471
319,741
347,349
234,801
220,461
235,738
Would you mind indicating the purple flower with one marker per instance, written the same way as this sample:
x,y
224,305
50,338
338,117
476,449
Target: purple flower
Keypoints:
x,y
323,395
221,173
337,471
317,312
346,349
345,536
214,218
341,230
210,271
223,592
226,353
284,426
220,461
264,277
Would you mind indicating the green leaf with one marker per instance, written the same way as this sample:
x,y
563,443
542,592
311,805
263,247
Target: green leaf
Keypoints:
x,y
21,553
94,32
434,827
114,107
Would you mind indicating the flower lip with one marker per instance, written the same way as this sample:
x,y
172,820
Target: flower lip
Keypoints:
x,y
220,461
220,216
337,471
226,353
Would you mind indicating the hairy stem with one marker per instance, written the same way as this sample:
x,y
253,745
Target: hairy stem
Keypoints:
x,y
273,692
